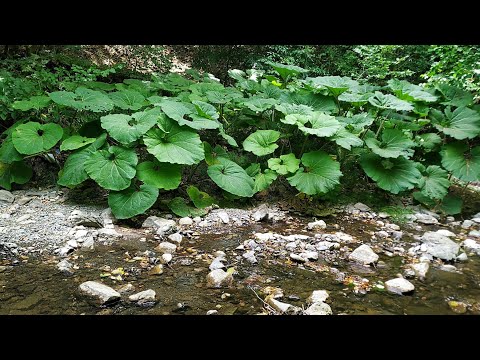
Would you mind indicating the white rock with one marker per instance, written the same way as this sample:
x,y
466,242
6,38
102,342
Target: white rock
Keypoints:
x,y
125,289
143,296
462,257
72,244
448,268
318,296
342,237
383,215
186,221
197,219
80,233
166,247
319,308
6,196
291,246
324,245
467,224
160,225
99,293
65,267
88,242
363,255
309,255
219,278
426,219
176,238
392,226
425,258
449,219
64,251
471,245
264,236
446,233
474,233
361,207
382,234
212,312
399,286
260,214
166,258
108,232
222,215
250,256
203,223
240,247
440,246
319,224
477,220
420,269
297,258
279,306
24,217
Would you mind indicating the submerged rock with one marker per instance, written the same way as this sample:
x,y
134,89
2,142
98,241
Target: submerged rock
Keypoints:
x,y
65,267
318,296
281,307
319,308
440,246
143,296
399,286
219,278
363,255
420,269
99,293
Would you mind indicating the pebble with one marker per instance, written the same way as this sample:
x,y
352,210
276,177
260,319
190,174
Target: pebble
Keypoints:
x,y
143,296
278,306
297,258
320,224
212,312
187,221
467,224
399,286
318,296
309,255
219,278
166,258
160,225
156,270
222,215
166,247
319,308
250,256
176,238
362,207
420,269
88,242
448,268
6,196
382,234
65,267
125,289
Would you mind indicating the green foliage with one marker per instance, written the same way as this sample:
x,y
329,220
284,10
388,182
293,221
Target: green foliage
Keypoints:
x,y
132,201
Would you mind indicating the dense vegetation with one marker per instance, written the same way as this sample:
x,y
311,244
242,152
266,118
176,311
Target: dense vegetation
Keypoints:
x,y
143,136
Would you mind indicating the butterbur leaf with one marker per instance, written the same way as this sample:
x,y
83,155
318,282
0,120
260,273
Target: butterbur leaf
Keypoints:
x,y
319,175
287,71
35,102
75,142
434,183
335,84
180,208
285,164
428,141
175,110
317,102
16,172
132,201
229,139
320,124
33,138
112,169
259,104
253,170
83,99
394,144
161,175
223,96
126,129
406,91
8,153
393,175
264,180
287,109
211,155
262,142
231,177
127,99
354,98
455,96
462,123
199,198
452,205
73,172
206,110
462,162
389,101
346,139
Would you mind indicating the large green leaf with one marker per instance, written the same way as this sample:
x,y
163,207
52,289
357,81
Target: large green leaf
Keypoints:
x,y
406,91
285,164
132,201
205,117
389,101
452,204
455,96
174,144
434,183
199,198
126,129
223,96
231,177
462,123
259,104
320,175
262,142
264,180
35,102
161,175
462,162
75,142
317,102
335,84
175,110
394,144
393,175
287,109
73,172
128,99
112,169
428,141
83,99
33,138
346,139
229,139
355,99
357,122
8,153
287,71
320,124
16,172
180,208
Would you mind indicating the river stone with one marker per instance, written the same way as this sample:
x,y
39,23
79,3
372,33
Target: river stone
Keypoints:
x,y
467,224
471,245
448,268
143,296
261,214
99,293
275,292
363,255
426,219
446,233
310,255
219,278
162,226
250,256
319,308
462,257
474,233
166,258
166,247
107,217
217,263
279,306
318,296
362,207
342,237
88,242
382,234
176,238
65,267
324,245
297,258
457,307
440,246
399,286
319,224
126,289
212,312
156,270
392,226
80,218
6,196
185,221
223,216
420,269
264,236
477,220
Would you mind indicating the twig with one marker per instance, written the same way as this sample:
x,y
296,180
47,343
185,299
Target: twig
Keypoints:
x,y
267,306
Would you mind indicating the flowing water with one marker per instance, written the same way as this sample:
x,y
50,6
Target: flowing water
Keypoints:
x,y
35,286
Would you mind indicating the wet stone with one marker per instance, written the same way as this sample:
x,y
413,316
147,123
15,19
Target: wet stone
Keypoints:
x,y
99,293
399,286
363,255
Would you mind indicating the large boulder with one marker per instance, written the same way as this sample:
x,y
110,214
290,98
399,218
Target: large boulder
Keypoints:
x,y
363,255
440,246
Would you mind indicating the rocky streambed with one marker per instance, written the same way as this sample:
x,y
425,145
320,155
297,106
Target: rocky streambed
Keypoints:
x,y
61,257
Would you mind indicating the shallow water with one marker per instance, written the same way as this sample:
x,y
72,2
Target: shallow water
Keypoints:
x,y
35,286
